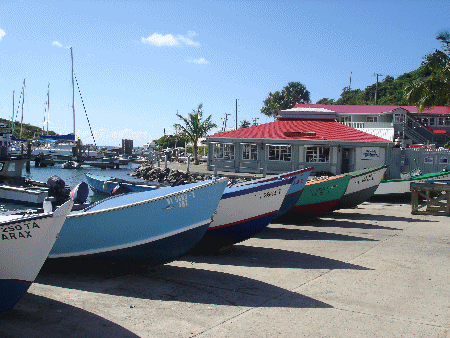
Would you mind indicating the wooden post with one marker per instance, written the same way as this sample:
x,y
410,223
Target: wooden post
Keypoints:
x,y
27,166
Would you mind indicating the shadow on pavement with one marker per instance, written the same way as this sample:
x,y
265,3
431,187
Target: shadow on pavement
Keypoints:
x,y
299,234
171,283
36,316
371,217
251,256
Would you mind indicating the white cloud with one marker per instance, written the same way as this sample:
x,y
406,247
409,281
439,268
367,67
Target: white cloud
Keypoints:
x,y
200,61
191,34
2,34
57,44
170,40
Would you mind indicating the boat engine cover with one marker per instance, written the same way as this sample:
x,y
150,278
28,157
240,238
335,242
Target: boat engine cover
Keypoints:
x,y
120,189
80,193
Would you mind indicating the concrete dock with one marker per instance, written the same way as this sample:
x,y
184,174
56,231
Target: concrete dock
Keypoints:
x,y
373,271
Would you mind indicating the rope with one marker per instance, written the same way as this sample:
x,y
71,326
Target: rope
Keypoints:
x,y
92,134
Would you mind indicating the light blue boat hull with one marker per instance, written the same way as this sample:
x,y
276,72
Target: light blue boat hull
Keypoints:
x,y
153,227
105,185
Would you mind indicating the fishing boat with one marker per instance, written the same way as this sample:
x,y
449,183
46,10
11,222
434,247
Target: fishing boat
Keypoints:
x,y
150,227
26,241
294,191
13,186
318,197
243,211
361,187
402,186
106,184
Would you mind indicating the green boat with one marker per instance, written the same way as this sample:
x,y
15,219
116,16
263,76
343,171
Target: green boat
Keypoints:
x,y
318,197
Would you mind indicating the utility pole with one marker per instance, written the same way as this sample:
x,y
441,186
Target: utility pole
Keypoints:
x,y
236,115
350,85
225,122
254,121
376,87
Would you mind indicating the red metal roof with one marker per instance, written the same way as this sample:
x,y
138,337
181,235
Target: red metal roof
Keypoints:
x,y
372,109
302,130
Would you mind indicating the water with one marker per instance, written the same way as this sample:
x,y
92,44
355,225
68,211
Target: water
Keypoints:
x,y
72,177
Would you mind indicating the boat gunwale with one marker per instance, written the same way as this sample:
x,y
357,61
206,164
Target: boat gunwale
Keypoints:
x,y
86,211
26,218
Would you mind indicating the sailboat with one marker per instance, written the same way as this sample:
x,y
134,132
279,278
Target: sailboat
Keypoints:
x,y
56,145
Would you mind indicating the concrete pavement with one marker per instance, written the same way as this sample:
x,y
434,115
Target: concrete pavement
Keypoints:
x,y
374,271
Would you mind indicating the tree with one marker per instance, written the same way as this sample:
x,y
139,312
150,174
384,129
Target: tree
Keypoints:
x,y
193,127
244,124
325,100
433,87
170,141
292,94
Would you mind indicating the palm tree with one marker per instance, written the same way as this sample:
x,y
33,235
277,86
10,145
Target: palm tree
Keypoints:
x,y
193,127
433,89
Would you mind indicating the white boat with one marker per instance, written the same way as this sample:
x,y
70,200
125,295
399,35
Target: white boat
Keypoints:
x,y
402,186
244,211
26,240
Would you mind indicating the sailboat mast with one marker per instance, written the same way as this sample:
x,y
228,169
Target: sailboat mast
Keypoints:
x,y
48,105
12,118
23,101
73,93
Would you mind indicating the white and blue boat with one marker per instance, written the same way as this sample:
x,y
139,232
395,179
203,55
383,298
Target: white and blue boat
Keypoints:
x,y
243,211
106,184
26,240
151,227
294,191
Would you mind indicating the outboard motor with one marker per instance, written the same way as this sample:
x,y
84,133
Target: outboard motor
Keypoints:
x,y
120,189
80,193
57,188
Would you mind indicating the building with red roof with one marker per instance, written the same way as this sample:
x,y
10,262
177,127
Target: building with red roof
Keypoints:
x,y
390,122
295,142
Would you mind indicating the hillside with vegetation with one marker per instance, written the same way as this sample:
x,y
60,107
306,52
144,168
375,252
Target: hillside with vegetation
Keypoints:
x,y
29,132
390,91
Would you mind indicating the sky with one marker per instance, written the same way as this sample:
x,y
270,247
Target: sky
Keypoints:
x,y
137,63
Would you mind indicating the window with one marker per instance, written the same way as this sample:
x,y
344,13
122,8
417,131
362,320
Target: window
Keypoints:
x,y
447,121
440,121
399,117
279,153
317,154
371,118
432,123
224,151
250,152
346,119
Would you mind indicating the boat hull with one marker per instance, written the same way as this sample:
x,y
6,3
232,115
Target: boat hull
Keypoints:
x,y
106,185
152,227
402,187
317,198
24,246
361,187
22,195
243,212
294,191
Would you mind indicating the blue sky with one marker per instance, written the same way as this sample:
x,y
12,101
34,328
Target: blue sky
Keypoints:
x,y
139,62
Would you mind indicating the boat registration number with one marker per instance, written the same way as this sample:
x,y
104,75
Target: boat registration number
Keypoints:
x,y
18,231
181,200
